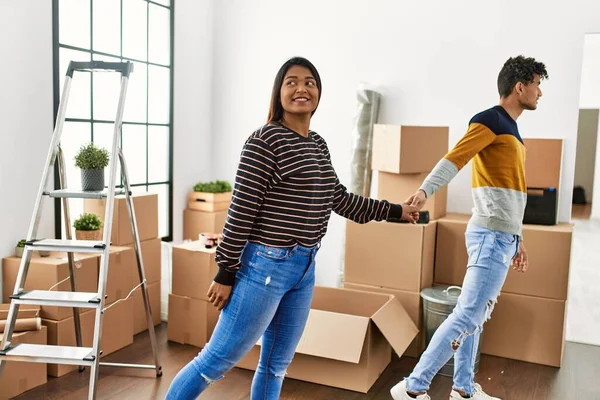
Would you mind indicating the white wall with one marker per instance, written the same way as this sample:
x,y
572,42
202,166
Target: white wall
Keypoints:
x,y
589,96
437,62
193,109
585,159
26,112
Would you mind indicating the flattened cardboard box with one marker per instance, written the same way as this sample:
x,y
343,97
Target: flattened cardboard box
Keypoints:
x,y
193,270
526,328
413,305
393,255
348,339
196,222
46,272
191,321
548,249
139,312
397,188
146,212
395,148
543,162
19,377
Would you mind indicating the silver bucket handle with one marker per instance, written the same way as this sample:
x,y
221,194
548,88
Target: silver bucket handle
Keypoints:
x,y
453,288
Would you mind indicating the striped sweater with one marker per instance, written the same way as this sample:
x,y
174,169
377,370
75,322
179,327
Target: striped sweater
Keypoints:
x,y
284,192
498,174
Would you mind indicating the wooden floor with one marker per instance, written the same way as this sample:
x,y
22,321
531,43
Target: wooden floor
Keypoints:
x,y
581,211
579,378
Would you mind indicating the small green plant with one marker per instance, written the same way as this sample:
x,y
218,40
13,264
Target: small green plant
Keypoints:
x,y
21,243
91,157
213,187
87,222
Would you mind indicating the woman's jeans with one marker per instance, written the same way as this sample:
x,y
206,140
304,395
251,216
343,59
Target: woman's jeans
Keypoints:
x,y
490,254
271,297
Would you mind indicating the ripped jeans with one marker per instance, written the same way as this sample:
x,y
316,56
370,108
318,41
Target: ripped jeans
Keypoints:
x,y
271,298
489,256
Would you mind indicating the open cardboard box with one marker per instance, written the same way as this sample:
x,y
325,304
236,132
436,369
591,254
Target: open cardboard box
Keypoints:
x,y
348,339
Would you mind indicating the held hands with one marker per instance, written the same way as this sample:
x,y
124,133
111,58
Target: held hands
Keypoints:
x,y
218,295
410,213
519,262
417,200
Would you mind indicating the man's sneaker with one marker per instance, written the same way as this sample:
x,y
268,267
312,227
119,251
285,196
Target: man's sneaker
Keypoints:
x,y
398,392
479,394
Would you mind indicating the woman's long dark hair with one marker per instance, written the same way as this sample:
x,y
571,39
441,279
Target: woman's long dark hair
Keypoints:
x,y
276,109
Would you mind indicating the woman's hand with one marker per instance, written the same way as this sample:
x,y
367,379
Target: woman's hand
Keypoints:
x,y
218,295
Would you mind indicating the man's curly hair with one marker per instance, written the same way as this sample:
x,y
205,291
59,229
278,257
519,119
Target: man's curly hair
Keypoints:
x,y
519,69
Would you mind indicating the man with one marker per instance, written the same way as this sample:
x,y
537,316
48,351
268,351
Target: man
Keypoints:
x,y
493,236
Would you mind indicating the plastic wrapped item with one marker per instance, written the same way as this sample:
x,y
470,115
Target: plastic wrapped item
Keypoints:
x,y
367,113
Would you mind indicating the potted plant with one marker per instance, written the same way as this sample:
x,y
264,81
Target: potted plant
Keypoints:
x,y
19,248
92,160
210,196
87,227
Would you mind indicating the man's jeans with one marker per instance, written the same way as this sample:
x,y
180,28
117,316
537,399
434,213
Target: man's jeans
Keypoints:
x,y
490,254
272,295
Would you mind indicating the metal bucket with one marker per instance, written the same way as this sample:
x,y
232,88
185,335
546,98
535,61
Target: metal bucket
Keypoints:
x,y
438,303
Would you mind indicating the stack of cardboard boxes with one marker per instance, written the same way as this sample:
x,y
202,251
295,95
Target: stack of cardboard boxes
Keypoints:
x,y
20,377
123,273
192,318
397,258
206,212
532,305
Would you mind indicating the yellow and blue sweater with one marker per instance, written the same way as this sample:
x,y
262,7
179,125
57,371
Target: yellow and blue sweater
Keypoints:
x,y
498,175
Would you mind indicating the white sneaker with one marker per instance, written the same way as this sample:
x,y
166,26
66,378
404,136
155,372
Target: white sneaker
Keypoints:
x,y
479,394
398,392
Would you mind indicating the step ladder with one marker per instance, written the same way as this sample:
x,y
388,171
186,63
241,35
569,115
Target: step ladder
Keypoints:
x,y
79,355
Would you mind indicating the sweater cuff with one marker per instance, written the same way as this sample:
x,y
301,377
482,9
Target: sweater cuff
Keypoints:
x,y
225,277
395,213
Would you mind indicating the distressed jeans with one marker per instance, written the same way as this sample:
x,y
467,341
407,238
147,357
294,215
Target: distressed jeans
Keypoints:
x,y
489,256
271,297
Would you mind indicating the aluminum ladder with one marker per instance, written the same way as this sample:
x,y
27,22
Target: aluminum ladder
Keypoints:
x,y
79,355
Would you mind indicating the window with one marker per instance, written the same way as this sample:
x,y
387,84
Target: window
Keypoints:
x,y
140,31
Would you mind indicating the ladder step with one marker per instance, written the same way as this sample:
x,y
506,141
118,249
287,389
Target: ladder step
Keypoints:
x,y
41,353
76,246
81,194
60,299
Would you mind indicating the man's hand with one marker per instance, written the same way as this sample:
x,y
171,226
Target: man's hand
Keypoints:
x,y
410,213
218,295
417,200
519,262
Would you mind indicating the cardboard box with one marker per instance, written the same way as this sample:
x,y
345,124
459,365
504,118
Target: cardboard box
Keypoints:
x,y
62,333
25,311
117,329
526,328
189,320
146,212
139,312
413,305
348,339
394,255
19,377
193,270
397,188
120,269
46,272
209,201
152,259
408,149
196,222
548,249
543,162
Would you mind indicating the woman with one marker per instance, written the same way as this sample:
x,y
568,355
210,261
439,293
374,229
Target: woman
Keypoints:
x,y
284,193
